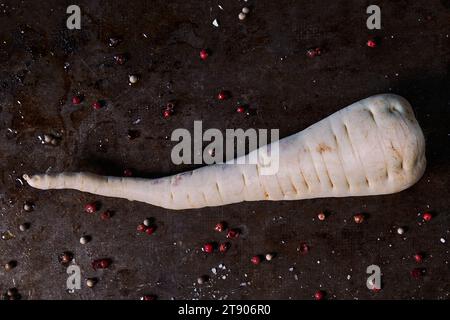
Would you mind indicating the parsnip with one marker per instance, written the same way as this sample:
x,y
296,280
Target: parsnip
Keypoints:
x,y
374,146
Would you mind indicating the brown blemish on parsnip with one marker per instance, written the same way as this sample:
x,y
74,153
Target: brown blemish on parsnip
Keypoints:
x,y
322,147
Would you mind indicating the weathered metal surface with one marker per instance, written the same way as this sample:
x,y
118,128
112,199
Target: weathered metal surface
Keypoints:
x,y
262,61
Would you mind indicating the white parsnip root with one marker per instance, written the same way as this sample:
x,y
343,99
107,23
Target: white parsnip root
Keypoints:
x,y
374,146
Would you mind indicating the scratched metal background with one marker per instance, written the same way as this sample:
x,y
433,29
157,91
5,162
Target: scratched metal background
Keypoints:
x,y
262,62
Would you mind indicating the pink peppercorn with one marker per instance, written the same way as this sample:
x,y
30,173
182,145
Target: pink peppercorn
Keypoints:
x,y
208,247
371,43
319,295
222,95
97,105
427,216
76,100
220,226
90,207
232,234
224,247
256,260
418,257
204,54
149,230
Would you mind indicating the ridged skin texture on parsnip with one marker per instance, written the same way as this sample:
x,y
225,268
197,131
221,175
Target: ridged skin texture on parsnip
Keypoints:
x,y
374,146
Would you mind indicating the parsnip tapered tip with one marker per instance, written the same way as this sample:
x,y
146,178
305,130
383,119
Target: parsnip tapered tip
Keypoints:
x,y
31,180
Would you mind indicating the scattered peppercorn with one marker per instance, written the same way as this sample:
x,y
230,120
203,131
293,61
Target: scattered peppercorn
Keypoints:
x,y
104,263
256,260
319,295
202,279
133,79
358,218
169,110
245,10
427,216
114,41
321,216
97,105
220,226
222,95
371,43
240,109
304,248
106,215
269,256
141,227
167,113
120,59
418,257
233,233
85,239
10,265
223,247
204,54
91,282
24,226
28,206
11,291
90,207
150,230
314,52
101,263
65,257
400,230
208,247
47,139
148,222
76,100
12,294
242,16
